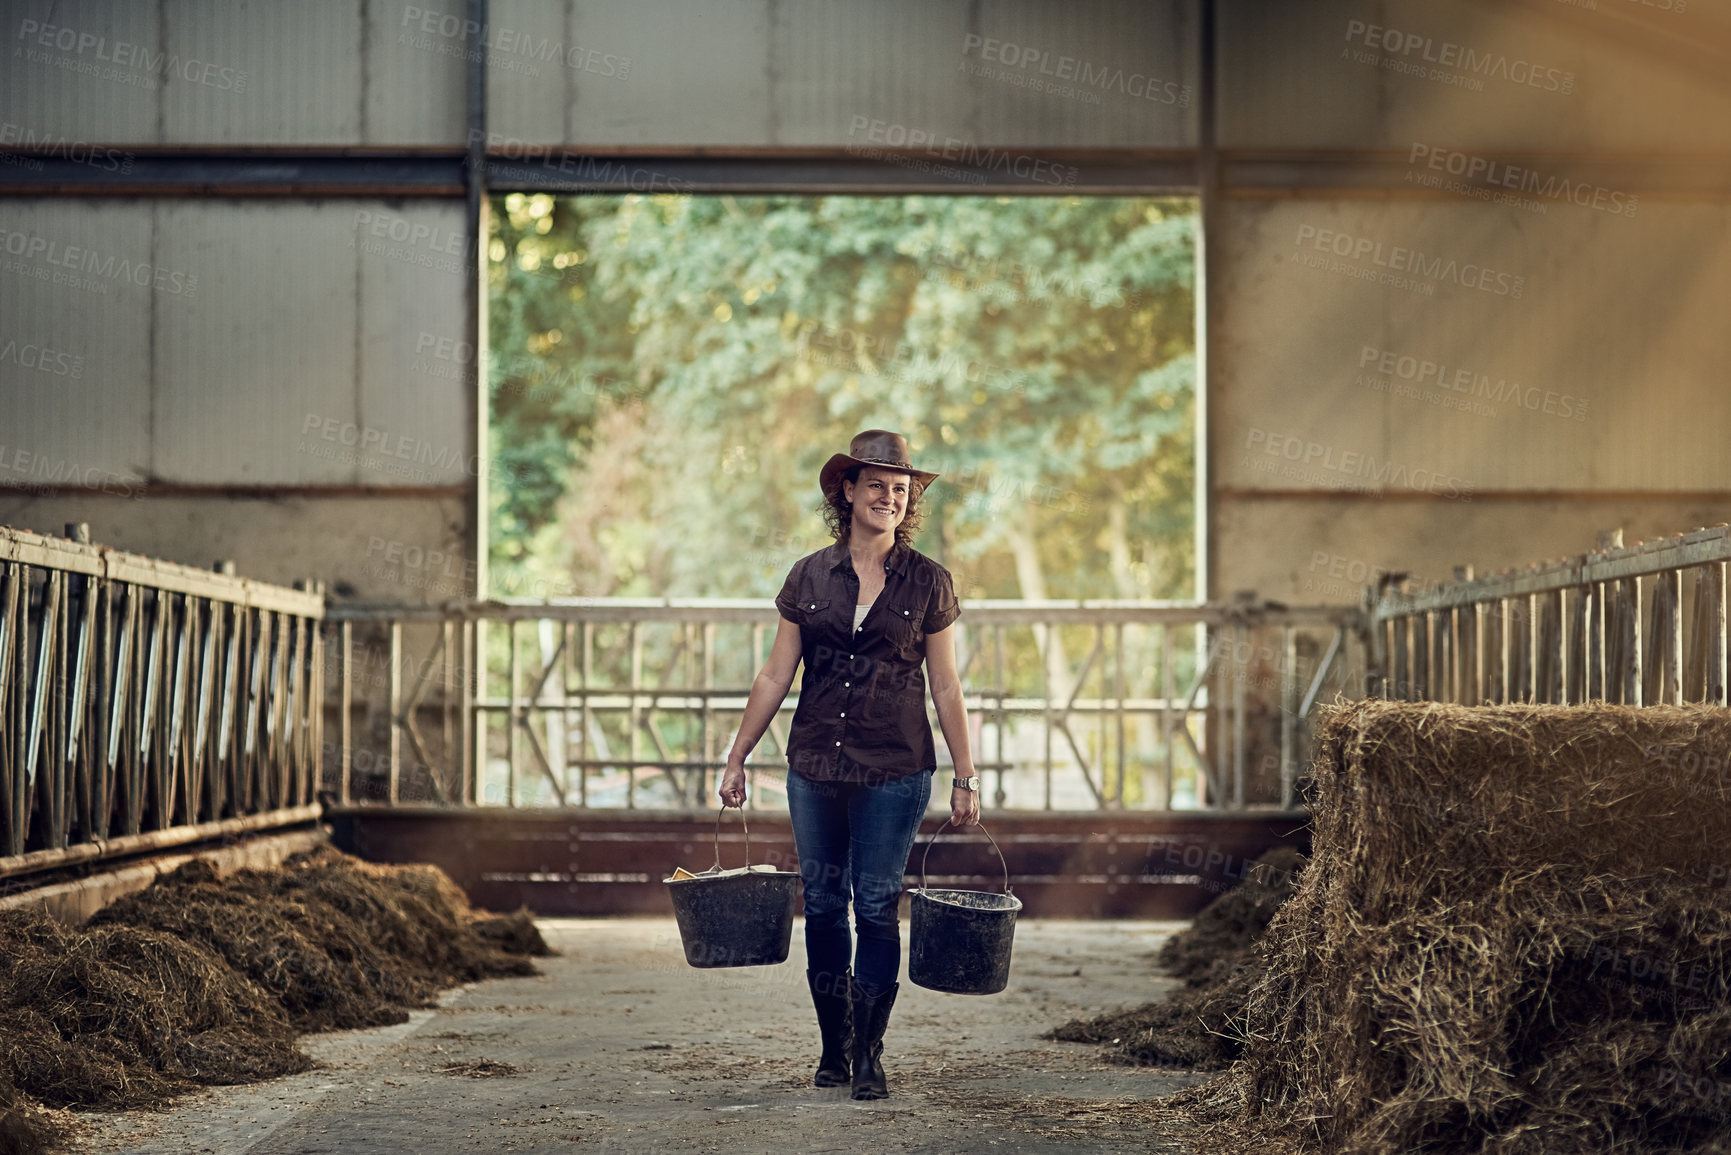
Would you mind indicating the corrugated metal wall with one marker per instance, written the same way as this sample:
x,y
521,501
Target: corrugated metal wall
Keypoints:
x,y
242,342
285,323
311,72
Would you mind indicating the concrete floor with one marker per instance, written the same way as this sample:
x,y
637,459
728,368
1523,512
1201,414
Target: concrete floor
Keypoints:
x,y
621,1047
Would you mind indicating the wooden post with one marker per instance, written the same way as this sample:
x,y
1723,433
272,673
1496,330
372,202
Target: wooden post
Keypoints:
x,y
1710,635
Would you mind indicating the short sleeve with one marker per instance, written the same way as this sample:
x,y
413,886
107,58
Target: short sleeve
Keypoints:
x,y
942,609
788,599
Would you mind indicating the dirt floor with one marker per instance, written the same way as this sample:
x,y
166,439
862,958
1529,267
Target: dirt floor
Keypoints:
x,y
621,1047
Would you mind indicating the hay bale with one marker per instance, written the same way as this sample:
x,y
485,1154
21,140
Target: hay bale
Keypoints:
x,y
1514,936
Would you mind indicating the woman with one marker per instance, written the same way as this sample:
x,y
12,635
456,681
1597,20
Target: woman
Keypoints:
x,y
863,614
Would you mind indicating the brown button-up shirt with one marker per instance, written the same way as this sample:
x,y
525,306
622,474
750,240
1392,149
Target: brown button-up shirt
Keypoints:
x,y
862,702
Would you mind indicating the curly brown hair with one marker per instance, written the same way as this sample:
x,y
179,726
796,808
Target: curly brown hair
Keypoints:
x,y
838,511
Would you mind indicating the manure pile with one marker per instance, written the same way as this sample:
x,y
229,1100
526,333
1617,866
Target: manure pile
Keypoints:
x,y
1514,936
1196,1026
201,980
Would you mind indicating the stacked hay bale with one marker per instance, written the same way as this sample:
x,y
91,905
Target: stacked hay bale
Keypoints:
x,y
1514,936
201,980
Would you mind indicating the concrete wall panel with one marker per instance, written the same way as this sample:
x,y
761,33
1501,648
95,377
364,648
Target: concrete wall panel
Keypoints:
x,y
75,339
698,72
416,369
1325,550
262,73
1463,386
1539,77
377,548
529,83
84,71
1132,83
270,345
415,82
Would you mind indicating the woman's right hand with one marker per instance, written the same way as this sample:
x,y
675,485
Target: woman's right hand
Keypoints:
x,y
732,790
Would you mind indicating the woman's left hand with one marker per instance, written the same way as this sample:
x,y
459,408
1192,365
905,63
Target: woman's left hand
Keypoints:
x,y
964,807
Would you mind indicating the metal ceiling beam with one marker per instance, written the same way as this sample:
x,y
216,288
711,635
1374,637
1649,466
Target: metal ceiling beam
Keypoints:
x,y
445,173
1006,170
114,171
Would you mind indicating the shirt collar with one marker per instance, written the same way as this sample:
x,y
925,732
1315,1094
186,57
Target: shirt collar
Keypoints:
x,y
897,561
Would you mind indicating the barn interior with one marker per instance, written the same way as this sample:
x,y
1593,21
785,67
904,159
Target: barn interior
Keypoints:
x,y
408,413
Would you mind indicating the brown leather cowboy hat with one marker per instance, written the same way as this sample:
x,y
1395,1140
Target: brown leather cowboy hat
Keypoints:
x,y
873,447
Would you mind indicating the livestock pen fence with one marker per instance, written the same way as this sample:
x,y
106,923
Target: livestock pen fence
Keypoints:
x,y
145,704
617,703
1618,624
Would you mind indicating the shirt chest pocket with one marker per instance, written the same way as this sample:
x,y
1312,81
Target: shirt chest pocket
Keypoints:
x,y
901,627
813,611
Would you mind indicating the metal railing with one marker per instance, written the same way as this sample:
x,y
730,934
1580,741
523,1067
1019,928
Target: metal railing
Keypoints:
x,y
146,704
633,703
1618,624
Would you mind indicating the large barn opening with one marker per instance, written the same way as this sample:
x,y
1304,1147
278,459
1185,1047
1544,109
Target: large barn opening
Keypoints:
x,y
668,372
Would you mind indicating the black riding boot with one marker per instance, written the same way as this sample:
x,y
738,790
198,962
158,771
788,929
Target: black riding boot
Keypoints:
x,y
829,994
870,1017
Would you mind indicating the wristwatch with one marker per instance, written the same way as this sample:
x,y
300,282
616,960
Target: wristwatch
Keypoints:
x,y
972,784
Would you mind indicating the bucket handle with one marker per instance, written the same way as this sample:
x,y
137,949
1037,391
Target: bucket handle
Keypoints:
x,y
989,838
716,869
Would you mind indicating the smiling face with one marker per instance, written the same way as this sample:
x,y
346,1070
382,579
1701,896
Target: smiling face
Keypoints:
x,y
879,498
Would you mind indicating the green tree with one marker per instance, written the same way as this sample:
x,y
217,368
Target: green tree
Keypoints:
x,y
670,372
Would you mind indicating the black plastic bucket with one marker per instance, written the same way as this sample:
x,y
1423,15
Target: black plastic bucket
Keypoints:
x,y
961,939
735,918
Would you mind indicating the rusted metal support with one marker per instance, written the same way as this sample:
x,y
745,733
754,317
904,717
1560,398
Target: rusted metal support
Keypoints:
x,y
36,861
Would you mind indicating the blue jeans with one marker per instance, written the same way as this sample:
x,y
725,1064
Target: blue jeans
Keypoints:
x,y
853,842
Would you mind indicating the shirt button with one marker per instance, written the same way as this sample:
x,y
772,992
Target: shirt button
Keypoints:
x,y
844,713
847,684
814,605
904,613
838,743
